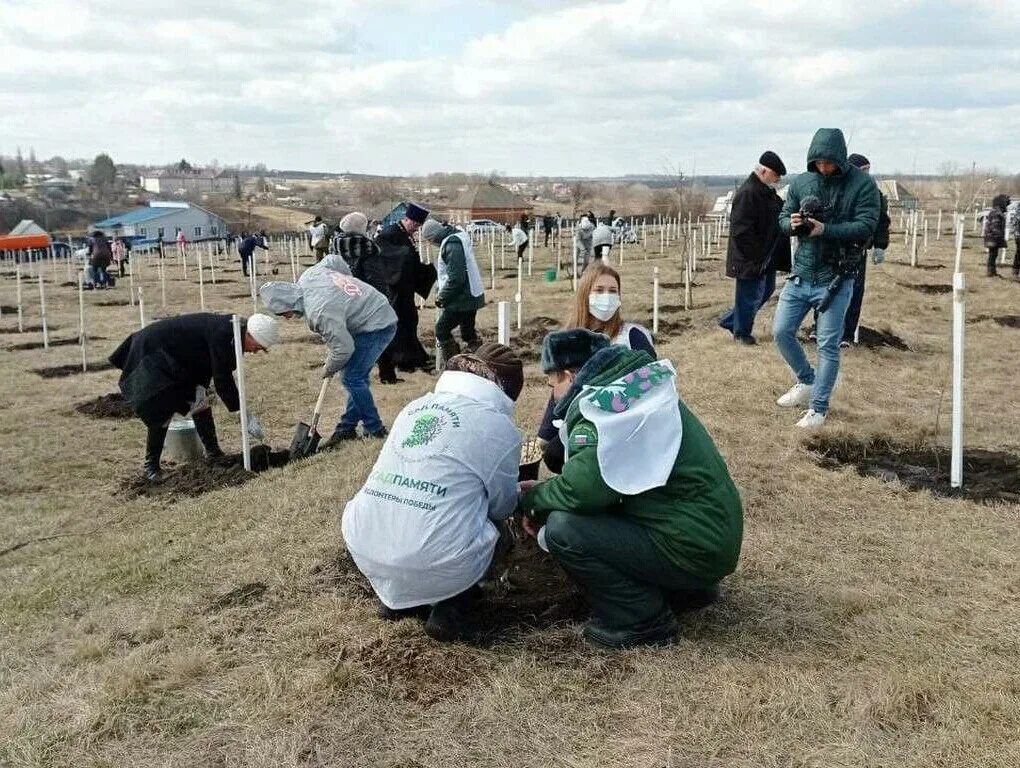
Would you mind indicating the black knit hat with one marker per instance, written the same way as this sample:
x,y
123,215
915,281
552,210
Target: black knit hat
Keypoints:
x,y
860,161
571,349
771,161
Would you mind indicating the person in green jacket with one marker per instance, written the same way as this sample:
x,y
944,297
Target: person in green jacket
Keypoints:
x,y
644,517
461,291
830,247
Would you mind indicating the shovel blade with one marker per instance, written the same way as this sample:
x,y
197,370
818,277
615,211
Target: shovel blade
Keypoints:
x,y
313,443
299,443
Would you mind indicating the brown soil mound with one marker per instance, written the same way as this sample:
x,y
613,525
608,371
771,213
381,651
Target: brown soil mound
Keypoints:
x,y
929,267
245,594
53,343
873,339
535,329
1007,321
533,594
111,406
8,308
238,295
29,329
199,477
929,288
987,475
111,303
678,285
673,327
62,371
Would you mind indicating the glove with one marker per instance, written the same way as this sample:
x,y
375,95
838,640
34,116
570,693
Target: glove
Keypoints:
x,y
878,255
439,302
254,427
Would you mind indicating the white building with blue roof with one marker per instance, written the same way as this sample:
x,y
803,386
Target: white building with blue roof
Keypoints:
x,y
161,220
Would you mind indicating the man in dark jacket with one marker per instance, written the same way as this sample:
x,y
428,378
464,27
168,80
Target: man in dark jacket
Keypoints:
x,y
756,248
461,291
246,248
167,366
548,225
360,252
877,245
828,254
405,275
994,230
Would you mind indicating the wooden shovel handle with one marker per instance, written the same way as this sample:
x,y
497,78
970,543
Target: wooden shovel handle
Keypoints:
x,y
318,404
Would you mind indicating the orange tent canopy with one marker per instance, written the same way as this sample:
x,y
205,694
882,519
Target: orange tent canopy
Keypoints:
x,y
24,242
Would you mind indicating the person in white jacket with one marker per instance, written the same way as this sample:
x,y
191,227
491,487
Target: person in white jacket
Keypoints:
x,y
582,244
425,526
602,240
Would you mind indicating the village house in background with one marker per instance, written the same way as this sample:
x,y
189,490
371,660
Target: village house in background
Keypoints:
x,y
488,201
160,221
164,181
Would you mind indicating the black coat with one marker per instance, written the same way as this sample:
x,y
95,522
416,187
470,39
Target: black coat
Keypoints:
x,y
755,240
404,272
163,363
362,256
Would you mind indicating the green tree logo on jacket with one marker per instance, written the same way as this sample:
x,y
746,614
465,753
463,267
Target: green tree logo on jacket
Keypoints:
x,y
426,428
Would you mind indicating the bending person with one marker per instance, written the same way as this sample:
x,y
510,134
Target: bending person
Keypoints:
x,y
167,367
355,321
645,514
428,523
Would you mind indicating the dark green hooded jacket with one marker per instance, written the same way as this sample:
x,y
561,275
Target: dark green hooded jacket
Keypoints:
x,y
851,201
696,519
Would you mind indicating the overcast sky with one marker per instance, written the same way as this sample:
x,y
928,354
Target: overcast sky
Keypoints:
x,y
543,88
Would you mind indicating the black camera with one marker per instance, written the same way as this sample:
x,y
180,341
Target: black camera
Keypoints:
x,y
810,207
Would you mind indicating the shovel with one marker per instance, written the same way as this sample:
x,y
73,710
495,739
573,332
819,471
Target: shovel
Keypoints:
x,y
306,436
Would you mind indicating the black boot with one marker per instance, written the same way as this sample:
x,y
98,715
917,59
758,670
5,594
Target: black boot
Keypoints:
x,y
206,429
448,620
339,436
386,613
448,349
153,450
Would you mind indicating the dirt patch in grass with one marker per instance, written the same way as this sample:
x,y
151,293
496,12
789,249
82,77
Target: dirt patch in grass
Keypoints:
x,y
29,329
987,475
53,343
1007,321
929,267
8,308
874,339
531,593
111,303
678,285
527,342
238,295
200,477
111,406
928,288
246,594
63,371
673,327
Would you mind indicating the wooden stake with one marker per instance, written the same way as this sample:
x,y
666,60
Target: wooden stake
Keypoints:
x,y
42,308
503,323
655,302
959,324
687,284
21,312
141,308
81,318
235,321
201,282
520,292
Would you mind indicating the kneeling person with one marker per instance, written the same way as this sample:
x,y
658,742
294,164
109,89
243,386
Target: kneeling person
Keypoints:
x,y
424,529
645,512
167,366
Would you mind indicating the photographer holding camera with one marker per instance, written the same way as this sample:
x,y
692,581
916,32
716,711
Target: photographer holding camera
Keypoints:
x,y
833,210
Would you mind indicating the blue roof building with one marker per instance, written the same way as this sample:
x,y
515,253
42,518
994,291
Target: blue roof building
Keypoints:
x,y
162,220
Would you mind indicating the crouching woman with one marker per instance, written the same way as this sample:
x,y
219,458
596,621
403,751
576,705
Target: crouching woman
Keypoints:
x,y
645,515
426,526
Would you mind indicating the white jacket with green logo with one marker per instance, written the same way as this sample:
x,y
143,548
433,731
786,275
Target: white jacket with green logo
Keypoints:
x,y
421,527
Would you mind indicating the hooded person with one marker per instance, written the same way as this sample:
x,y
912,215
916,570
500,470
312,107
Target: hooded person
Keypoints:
x,y
406,276
583,243
360,253
167,367
461,290
100,257
645,514
602,239
846,207
355,321
993,230
428,523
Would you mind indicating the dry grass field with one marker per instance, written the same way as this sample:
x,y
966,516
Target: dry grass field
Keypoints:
x,y
869,623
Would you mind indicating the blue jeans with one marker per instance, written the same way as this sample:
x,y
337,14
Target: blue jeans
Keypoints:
x,y
98,276
360,405
797,299
749,297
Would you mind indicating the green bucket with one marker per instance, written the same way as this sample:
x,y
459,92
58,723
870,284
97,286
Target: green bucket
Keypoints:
x,y
550,275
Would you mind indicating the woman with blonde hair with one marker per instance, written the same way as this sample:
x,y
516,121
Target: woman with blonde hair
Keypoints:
x,y
596,308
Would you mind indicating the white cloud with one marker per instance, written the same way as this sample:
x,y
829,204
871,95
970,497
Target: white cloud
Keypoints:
x,y
594,88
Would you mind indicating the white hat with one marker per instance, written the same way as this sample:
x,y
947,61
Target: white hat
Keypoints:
x,y
355,222
264,329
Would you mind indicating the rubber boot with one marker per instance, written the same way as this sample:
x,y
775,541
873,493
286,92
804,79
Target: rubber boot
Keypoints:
x,y
206,429
153,450
448,620
446,350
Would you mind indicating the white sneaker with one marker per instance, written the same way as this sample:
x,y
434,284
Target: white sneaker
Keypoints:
x,y
797,397
811,419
